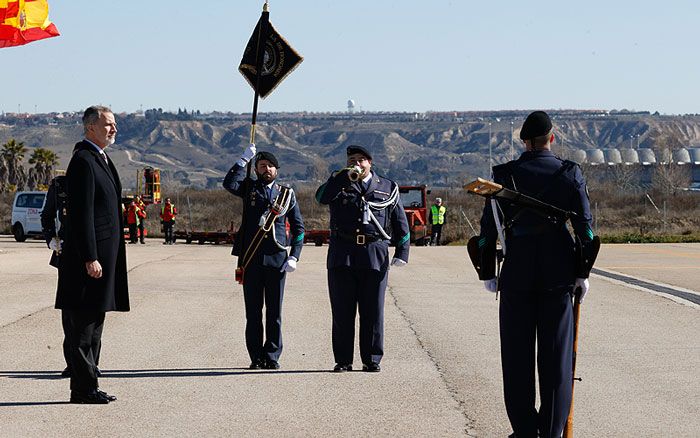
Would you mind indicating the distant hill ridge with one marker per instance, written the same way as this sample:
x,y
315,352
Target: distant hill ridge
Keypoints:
x,y
432,148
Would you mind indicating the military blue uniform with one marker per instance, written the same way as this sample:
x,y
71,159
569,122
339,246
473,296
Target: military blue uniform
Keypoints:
x,y
358,260
536,284
57,203
263,282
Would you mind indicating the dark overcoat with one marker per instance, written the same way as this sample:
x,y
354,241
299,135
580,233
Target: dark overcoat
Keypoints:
x,y
93,231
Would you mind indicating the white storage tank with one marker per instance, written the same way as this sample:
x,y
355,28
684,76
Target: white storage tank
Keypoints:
x,y
629,156
694,155
646,156
595,156
579,156
681,156
612,156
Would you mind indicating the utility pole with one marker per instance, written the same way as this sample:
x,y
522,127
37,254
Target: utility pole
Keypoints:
x,y
511,141
490,155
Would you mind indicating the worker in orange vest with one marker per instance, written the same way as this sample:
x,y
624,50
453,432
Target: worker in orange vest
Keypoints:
x,y
133,217
142,217
167,216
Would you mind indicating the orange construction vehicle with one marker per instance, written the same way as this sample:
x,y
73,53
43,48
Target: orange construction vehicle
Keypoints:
x,y
148,188
414,200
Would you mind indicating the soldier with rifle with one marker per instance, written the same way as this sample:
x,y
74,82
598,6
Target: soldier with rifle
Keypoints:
x,y
527,211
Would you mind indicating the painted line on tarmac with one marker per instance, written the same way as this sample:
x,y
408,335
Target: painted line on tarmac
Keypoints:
x,y
678,294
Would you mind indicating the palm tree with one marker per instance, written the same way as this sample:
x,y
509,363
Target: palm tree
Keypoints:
x,y
13,153
4,183
44,162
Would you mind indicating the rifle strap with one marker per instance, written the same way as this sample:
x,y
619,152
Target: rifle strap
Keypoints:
x,y
566,165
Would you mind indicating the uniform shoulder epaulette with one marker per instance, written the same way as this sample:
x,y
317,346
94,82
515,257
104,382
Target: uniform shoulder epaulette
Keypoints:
x,y
286,186
505,168
569,164
380,178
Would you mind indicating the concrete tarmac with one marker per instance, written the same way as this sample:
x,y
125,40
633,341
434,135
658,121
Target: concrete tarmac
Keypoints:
x,y
178,363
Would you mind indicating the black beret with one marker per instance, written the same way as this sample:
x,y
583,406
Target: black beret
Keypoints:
x,y
537,124
267,156
355,149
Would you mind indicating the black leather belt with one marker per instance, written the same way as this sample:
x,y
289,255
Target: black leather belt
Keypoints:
x,y
359,239
533,230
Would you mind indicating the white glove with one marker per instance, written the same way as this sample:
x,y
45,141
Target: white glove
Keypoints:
x,y
248,155
491,285
55,244
583,284
398,262
290,265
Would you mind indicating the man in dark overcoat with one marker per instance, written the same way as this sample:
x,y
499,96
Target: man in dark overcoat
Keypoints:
x,y
92,275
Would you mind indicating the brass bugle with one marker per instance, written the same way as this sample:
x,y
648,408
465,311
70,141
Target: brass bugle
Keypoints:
x,y
354,173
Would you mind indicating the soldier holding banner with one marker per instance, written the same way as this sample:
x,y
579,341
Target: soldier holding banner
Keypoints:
x,y
261,245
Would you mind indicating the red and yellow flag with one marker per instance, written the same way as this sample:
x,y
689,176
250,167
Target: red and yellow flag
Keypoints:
x,y
24,21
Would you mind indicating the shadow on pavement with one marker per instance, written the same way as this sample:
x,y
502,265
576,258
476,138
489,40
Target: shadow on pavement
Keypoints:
x,y
168,372
45,403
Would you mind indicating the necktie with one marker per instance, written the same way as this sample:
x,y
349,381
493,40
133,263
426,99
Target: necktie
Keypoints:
x,y
104,157
268,192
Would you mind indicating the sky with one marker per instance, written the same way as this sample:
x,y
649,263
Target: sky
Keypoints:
x,y
386,55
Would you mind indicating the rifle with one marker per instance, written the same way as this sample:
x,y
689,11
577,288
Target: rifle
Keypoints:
x,y
569,427
492,190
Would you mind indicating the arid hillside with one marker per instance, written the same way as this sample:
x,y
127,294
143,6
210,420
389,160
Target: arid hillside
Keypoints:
x,y
438,149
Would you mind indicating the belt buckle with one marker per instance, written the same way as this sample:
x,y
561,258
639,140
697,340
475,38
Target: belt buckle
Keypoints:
x,y
360,239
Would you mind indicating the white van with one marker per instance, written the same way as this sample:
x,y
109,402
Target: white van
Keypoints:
x,y
26,214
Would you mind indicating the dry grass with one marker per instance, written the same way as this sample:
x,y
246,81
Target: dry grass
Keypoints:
x,y
616,214
628,216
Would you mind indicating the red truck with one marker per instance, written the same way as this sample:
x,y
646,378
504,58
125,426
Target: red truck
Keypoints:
x,y
415,203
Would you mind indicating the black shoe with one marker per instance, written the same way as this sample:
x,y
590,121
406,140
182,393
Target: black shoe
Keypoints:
x,y
66,372
342,367
98,372
256,364
371,367
88,398
271,365
143,242
107,396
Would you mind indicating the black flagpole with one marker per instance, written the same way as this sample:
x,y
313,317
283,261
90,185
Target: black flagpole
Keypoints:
x,y
259,61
